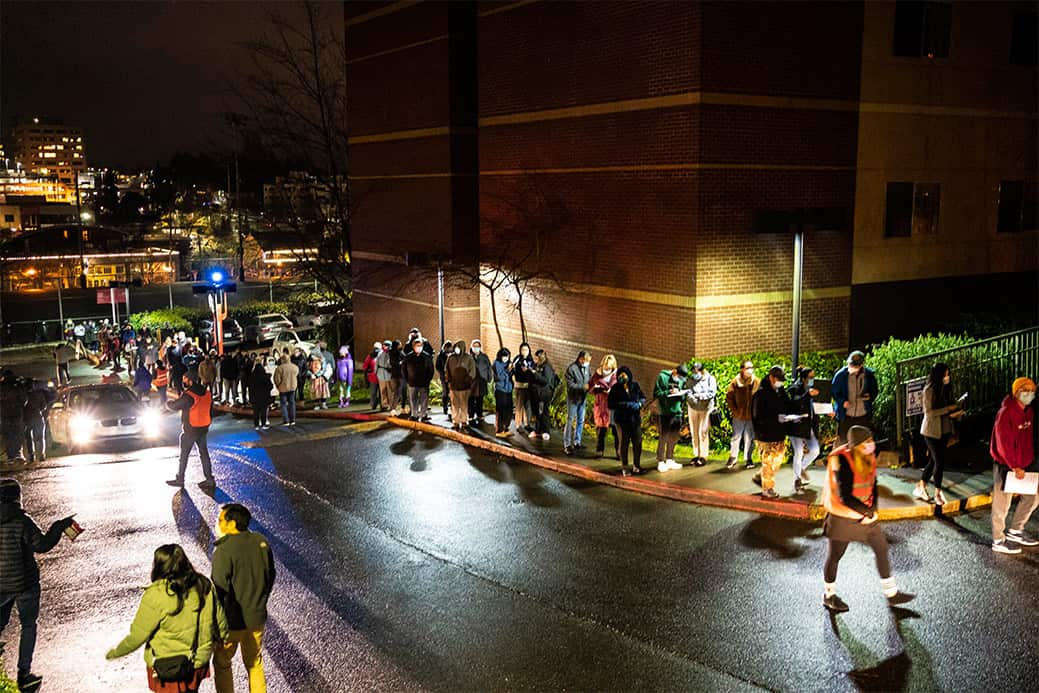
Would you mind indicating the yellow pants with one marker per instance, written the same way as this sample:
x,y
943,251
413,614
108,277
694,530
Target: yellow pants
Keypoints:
x,y
772,456
251,642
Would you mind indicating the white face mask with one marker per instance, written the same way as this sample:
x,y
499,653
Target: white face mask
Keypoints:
x,y
457,350
476,350
869,447
1026,397
778,384
608,371
504,359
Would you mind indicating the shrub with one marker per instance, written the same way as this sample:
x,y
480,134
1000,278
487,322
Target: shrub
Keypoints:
x,y
178,318
250,309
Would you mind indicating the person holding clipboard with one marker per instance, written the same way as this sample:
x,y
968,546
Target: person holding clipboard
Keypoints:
x,y
1013,451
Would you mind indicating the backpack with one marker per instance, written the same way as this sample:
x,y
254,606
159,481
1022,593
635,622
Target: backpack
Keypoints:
x,y
200,414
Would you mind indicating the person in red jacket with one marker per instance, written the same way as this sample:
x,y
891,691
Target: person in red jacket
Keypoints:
x,y
1013,450
371,376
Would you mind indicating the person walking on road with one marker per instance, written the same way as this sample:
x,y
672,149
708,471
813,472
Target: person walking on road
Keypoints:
x,y
940,409
577,377
260,387
543,383
418,373
63,353
669,393
854,389
626,402
804,432
178,621
12,422
461,374
503,388
286,376
738,398
195,406
850,499
441,367
1013,452
522,369
38,400
770,414
600,384
243,573
20,540
700,403
484,379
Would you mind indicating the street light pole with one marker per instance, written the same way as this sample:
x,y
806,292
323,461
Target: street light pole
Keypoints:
x,y
799,243
440,299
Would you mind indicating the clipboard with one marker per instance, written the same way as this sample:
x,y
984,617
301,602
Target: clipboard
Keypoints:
x,y
1025,487
822,408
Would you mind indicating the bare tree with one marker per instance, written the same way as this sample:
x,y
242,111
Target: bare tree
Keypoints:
x,y
293,98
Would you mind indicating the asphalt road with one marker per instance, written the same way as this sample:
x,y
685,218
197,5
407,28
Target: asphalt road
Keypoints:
x,y
408,562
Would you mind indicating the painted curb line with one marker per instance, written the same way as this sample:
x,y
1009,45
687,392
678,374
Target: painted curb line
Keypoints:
x,y
781,508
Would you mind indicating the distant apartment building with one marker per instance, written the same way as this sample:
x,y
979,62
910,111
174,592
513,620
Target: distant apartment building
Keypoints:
x,y
652,159
49,148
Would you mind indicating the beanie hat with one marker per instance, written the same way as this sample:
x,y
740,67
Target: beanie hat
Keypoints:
x,y
10,491
857,435
1022,384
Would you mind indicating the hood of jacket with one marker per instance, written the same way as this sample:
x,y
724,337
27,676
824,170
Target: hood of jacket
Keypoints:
x,y
10,511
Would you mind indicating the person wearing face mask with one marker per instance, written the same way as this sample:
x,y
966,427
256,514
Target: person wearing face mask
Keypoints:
x,y
738,398
577,377
1013,451
850,499
626,402
384,372
195,406
371,374
484,377
940,409
502,393
700,404
441,367
804,433
543,383
604,378
669,395
461,374
770,414
522,368
418,373
854,391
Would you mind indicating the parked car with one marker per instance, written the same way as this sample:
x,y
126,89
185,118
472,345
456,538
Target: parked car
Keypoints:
x,y
287,340
264,328
232,329
87,414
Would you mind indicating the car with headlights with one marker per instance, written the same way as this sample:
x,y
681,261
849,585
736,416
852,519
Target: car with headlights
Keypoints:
x,y
85,415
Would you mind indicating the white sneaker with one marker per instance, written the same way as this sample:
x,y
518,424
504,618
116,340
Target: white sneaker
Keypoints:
x,y
805,479
532,435
663,467
545,436
673,465
939,497
1021,538
1004,547
920,493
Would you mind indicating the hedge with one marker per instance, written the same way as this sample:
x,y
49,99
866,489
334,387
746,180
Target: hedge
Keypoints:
x,y
177,318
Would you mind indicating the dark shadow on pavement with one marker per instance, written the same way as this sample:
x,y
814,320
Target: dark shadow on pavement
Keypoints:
x,y
190,523
294,665
912,667
529,480
778,536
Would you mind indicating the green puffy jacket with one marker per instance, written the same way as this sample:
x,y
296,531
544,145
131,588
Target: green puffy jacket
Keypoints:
x,y
164,634
668,405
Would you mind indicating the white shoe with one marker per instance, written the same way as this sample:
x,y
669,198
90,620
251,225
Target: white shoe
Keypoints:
x,y
532,435
805,479
920,493
1004,547
663,467
545,436
1021,538
673,465
939,497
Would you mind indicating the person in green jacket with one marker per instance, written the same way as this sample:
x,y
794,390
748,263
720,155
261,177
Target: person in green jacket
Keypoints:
x,y
669,395
178,602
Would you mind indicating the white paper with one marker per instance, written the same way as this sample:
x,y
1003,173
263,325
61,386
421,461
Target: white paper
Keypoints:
x,y
822,408
790,418
1026,487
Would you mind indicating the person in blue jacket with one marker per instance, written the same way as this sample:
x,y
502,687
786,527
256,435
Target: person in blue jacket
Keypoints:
x,y
503,388
854,392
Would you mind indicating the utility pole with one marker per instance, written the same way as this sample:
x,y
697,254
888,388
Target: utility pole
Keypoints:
x,y
799,248
79,233
238,215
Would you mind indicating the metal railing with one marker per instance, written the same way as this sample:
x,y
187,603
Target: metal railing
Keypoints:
x,y
984,370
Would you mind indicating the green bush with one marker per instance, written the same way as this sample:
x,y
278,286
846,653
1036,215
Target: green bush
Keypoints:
x,y
250,309
6,684
177,318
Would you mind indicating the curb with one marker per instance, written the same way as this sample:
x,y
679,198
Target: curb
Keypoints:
x,y
781,508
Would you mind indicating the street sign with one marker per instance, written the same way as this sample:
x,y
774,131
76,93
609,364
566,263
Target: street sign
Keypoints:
x,y
110,295
915,397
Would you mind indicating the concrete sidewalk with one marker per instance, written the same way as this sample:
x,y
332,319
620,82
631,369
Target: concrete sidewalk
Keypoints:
x,y
710,485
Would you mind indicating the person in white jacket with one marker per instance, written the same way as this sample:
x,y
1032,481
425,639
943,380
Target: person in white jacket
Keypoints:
x,y
700,403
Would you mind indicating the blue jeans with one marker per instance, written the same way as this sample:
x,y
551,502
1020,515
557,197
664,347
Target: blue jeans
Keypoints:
x,y
287,401
742,432
802,460
574,424
28,603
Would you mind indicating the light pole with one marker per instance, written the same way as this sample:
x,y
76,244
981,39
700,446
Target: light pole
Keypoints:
x,y
799,246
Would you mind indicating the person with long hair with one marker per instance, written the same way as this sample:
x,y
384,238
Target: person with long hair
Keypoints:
x,y
940,409
178,616
604,378
626,402
522,369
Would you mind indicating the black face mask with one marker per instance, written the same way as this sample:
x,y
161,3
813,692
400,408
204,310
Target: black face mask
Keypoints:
x,y
623,380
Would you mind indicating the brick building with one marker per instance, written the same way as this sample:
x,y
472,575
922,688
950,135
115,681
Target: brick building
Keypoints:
x,y
647,156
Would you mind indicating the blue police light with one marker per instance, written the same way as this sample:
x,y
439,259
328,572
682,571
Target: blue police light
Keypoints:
x,y
216,277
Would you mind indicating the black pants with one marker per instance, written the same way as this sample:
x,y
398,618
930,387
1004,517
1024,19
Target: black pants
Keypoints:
x,y
35,438
937,452
373,394
600,439
446,394
542,422
670,425
13,439
876,541
189,438
260,410
630,437
502,411
476,407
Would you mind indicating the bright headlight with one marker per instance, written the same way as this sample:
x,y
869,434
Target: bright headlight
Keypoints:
x,y
82,427
150,420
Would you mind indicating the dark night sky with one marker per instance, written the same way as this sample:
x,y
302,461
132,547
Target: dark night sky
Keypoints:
x,y
143,79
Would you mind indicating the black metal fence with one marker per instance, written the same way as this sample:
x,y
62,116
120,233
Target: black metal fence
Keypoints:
x,y
984,370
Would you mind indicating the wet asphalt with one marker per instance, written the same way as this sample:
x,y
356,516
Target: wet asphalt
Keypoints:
x,y
408,562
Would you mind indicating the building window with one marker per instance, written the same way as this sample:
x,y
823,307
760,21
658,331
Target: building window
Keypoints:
x,y
8,217
922,28
1024,39
912,209
1018,207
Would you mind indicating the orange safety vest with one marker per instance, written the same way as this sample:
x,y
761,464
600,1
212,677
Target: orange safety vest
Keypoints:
x,y
162,378
862,486
199,415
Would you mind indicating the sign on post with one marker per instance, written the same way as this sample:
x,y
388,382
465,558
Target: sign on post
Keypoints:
x,y
915,397
111,295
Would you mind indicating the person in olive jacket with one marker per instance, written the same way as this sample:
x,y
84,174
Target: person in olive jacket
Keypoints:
x,y
178,616
243,573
